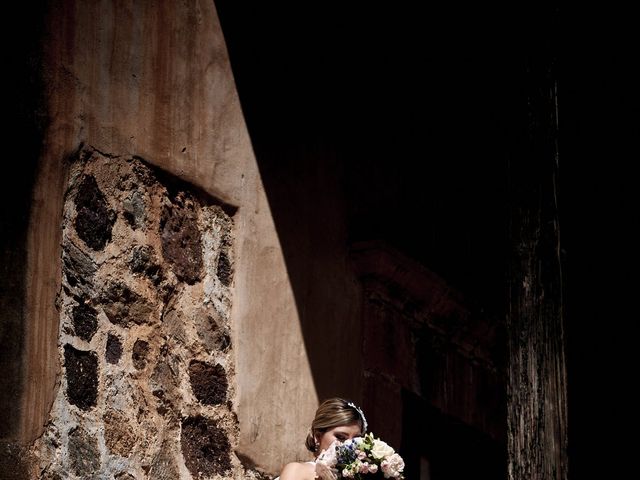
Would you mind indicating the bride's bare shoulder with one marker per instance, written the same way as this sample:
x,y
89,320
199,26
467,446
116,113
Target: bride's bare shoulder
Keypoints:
x,y
298,471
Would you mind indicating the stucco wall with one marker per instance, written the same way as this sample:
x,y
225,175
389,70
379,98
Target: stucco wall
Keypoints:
x,y
153,80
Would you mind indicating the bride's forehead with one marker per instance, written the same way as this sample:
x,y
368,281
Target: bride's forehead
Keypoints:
x,y
346,428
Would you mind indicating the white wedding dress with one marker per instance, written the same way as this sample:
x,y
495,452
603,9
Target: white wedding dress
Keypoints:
x,y
278,477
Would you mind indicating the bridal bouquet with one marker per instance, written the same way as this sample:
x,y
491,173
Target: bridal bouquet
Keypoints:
x,y
362,456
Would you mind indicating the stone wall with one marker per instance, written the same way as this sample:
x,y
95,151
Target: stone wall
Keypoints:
x,y
147,387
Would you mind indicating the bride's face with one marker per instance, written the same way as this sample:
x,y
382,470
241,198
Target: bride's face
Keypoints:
x,y
340,433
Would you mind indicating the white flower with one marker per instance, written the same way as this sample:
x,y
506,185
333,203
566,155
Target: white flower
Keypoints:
x,y
358,457
381,450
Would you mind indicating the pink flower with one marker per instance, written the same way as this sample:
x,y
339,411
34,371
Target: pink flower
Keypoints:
x,y
347,473
392,466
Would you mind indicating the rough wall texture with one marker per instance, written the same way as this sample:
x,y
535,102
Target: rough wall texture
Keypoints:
x,y
147,385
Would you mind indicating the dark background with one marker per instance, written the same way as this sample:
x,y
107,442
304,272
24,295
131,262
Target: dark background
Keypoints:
x,y
599,132
427,108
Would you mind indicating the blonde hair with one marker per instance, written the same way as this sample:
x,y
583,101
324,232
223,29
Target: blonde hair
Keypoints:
x,y
331,413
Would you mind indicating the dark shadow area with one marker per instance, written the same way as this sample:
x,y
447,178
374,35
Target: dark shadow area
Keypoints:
x,y
415,108
403,116
385,123
599,131
407,118
448,449
23,128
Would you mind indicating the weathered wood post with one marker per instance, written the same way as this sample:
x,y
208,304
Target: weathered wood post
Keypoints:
x,y
536,371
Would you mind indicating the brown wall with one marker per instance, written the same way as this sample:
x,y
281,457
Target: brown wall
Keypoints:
x,y
153,80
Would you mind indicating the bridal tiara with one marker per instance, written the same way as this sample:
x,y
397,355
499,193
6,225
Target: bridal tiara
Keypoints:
x,y
364,420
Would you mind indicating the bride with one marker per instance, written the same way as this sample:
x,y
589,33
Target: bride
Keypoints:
x,y
336,419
